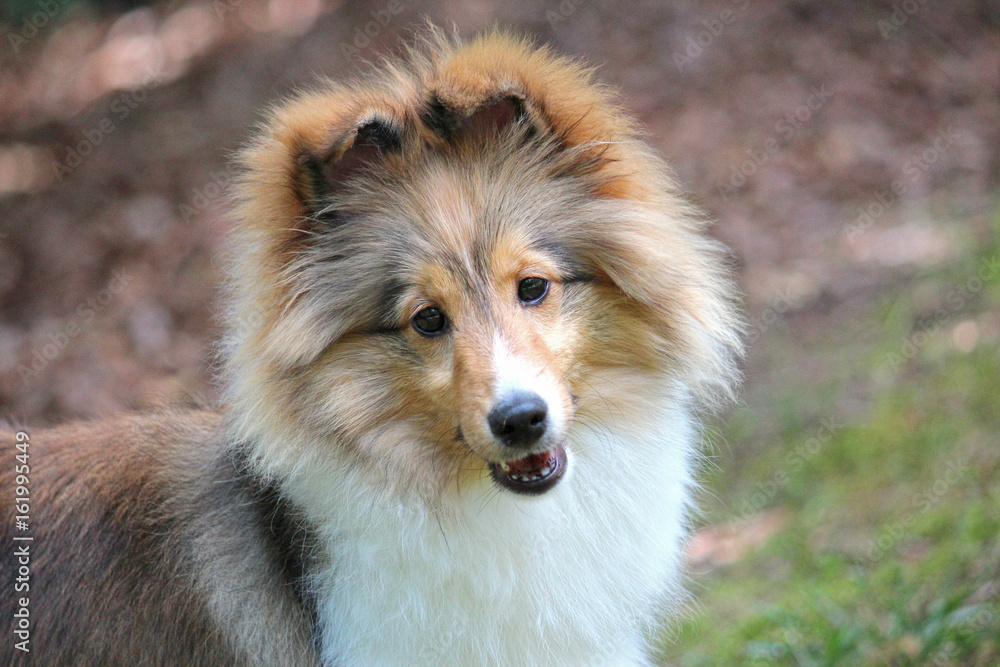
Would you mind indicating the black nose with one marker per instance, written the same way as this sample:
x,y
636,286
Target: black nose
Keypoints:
x,y
519,420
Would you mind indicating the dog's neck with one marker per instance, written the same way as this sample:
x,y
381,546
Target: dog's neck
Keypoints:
x,y
576,576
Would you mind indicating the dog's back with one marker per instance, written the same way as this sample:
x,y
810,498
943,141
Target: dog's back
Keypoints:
x,y
145,544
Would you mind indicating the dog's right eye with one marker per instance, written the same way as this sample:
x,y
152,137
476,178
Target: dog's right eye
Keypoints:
x,y
429,322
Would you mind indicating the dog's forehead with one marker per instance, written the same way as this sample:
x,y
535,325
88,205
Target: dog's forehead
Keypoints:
x,y
471,221
465,223
449,212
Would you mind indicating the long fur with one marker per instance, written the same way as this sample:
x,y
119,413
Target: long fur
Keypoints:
x,y
576,577
443,179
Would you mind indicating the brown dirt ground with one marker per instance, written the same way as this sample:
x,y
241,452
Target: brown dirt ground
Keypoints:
x,y
168,93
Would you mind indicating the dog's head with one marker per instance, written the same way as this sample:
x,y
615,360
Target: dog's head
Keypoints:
x,y
438,272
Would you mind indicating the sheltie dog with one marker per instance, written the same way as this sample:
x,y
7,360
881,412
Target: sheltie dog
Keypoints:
x,y
471,326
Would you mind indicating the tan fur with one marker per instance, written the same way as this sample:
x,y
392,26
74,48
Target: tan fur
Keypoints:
x,y
675,299
444,180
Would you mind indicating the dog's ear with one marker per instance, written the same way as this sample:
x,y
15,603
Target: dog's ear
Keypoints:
x,y
491,117
462,120
324,174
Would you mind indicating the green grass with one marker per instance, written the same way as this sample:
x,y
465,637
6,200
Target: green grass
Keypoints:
x,y
891,551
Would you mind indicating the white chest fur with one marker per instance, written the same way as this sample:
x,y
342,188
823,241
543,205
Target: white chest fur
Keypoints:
x,y
574,577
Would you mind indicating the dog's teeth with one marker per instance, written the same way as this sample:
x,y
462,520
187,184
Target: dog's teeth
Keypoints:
x,y
529,477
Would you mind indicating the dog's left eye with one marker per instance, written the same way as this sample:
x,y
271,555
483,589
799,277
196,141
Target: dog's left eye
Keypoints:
x,y
430,322
532,290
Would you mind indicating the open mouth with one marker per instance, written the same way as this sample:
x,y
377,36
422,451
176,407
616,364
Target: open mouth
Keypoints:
x,y
534,474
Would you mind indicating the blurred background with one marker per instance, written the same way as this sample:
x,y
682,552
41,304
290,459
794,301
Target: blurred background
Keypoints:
x,y
848,150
